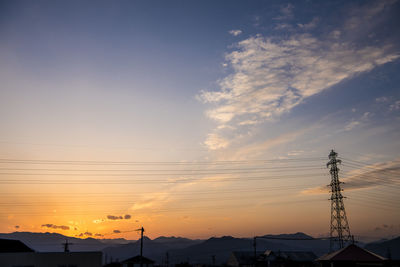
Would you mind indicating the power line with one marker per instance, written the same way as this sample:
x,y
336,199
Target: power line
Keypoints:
x,y
91,162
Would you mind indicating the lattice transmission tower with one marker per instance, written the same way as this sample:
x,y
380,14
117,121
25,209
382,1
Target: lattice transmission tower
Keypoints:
x,y
340,231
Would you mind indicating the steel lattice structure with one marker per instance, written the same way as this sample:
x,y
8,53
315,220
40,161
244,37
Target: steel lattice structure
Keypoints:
x,y
340,231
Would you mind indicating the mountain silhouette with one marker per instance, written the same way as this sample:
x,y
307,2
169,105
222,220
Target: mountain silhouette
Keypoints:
x,y
389,248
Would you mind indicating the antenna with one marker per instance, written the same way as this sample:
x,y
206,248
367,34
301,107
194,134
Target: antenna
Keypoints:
x,y
340,231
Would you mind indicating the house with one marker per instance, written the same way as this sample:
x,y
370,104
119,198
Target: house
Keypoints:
x,y
113,264
351,255
15,253
13,246
243,258
289,258
271,258
138,261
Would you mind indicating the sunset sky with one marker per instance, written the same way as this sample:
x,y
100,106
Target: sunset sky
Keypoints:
x,y
198,118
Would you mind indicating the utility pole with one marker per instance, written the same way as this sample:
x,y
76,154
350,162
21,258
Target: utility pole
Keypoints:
x,y
141,245
255,250
340,231
66,245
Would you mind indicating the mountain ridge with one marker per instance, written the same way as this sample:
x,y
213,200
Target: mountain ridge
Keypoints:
x,y
181,249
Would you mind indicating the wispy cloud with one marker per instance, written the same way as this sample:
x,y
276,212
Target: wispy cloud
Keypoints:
x,y
215,141
395,106
154,200
295,152
363,120
272,75
382,99
384,173
235,32
310,25
256,149
351,125
286,12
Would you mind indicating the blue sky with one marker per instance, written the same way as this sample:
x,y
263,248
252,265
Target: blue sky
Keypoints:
x,y
203,81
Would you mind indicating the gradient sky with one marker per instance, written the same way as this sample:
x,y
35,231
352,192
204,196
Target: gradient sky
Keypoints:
x,y
198,118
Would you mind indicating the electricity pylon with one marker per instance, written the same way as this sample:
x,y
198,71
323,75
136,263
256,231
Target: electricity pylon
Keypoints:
x,y
340,231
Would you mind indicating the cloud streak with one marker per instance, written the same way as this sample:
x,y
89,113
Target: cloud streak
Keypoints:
x,y
53,226
113,218
379,174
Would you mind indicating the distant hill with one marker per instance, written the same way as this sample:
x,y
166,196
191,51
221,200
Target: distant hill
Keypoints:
x,y
319,247
53,242
193,251
386,248
154,249
298,235
221,248
177,242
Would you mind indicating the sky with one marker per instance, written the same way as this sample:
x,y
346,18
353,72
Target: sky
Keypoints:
x,y
198,118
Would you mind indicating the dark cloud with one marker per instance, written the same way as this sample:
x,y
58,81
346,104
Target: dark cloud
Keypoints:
x,y
85,234
127,216
113,218
384,173
53,226
116,231
99,235
17,227
374,175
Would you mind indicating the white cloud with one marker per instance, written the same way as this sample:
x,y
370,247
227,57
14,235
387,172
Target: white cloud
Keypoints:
x,y
215,141
249,122
351,125
286,12
395,106
295,152
256,149
382,99
151,201
357,123
366,116
271,75
235,32
336,34
312,24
